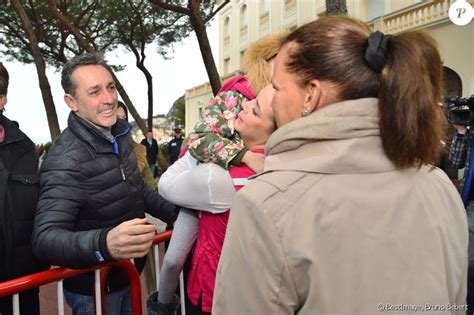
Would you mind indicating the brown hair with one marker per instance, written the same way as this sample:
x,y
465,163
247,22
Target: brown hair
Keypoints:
x,y
86,59
409,87
121,105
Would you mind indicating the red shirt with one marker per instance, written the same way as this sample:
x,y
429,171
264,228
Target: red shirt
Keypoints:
x,y
212,228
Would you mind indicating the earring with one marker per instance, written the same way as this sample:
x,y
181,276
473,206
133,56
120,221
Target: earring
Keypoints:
x,y
304,112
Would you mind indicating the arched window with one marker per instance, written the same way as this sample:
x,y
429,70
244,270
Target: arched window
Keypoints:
x,y
244,16
226,65
264,6
226,27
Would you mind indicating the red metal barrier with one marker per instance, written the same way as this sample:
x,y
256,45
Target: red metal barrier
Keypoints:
x,y
25,283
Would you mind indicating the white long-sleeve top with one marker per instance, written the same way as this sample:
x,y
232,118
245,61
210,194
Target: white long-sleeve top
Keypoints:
x,y
201,186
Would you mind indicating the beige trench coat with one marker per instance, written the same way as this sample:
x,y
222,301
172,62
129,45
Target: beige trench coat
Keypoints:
x,y
332,227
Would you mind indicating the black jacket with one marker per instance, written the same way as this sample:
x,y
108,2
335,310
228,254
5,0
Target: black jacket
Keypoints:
x,y
151,151
174,149
18,197
89,185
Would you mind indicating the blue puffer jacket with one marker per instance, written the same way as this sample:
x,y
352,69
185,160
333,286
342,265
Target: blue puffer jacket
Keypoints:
x,y
89,185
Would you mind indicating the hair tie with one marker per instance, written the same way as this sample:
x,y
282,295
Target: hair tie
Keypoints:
x,y
376,52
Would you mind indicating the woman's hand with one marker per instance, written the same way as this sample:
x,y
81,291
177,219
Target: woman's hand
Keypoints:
x,y
461,129
255,161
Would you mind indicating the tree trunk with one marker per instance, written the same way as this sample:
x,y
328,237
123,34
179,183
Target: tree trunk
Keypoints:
x,y
81,41
149,81
40,69
336,7
201,34
128,102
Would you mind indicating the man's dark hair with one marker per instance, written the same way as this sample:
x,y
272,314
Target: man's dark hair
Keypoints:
x,y
87,59
4,79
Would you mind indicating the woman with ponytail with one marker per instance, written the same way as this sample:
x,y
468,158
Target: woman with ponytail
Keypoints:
x,y
350,215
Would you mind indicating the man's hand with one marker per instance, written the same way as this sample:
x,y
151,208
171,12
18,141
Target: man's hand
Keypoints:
x,y
461,129
255,161
131,239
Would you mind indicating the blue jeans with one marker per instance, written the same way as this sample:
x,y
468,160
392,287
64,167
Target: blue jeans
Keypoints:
x,y
152,169
117,303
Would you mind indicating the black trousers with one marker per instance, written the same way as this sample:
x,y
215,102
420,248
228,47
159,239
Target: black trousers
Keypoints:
x,y
29,303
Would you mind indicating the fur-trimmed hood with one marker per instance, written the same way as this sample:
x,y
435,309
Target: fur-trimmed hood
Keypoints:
x,y
256,59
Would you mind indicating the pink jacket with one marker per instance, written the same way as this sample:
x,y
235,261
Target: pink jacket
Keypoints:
x,y
212,229
240,84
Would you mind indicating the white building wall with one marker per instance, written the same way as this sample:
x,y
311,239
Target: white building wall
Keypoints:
x,y
392,16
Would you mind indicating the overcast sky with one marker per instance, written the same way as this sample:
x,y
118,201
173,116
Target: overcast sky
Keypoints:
x,y
170,79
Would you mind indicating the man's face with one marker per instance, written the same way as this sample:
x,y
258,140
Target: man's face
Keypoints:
x,y
149,135
95,98
3,102
178,133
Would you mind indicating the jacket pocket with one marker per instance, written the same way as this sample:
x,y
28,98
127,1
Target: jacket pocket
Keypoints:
x,y
28,179
22,195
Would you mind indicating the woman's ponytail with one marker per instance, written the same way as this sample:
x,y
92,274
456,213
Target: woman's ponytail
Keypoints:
x,y
411,122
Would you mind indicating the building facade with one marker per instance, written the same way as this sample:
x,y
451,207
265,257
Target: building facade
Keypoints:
x,y
242,22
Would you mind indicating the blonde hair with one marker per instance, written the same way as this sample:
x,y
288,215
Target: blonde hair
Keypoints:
x,y
256,59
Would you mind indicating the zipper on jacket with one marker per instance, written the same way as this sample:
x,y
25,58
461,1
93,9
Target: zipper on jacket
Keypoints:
x,y
123,172
115,143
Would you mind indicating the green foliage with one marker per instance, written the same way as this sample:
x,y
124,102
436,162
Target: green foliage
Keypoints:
x,y
164,151
108,24
137,23
56,43
46,147
177,113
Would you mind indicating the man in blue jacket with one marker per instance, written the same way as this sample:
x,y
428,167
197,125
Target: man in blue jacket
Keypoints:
x,y
174,146
93,200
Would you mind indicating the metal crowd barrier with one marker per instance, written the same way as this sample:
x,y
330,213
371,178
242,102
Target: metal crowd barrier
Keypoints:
x,y
15,286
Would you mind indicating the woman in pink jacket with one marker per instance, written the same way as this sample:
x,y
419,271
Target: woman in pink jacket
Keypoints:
x,y
200,187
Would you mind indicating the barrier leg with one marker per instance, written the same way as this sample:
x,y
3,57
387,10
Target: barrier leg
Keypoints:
x,y
182,293
16,304
156,251
97,295
60,300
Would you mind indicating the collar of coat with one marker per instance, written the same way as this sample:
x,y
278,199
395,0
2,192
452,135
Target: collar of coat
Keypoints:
x,y
90,134
342,138
12,131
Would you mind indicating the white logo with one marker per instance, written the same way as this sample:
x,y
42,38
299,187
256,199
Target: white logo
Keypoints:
x,y
461,12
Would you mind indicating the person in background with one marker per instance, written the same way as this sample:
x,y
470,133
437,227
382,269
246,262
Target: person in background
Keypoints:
x,y
461,156
39,149
140,152
174,146
92,201
152,151
18,198
213,139
349,214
